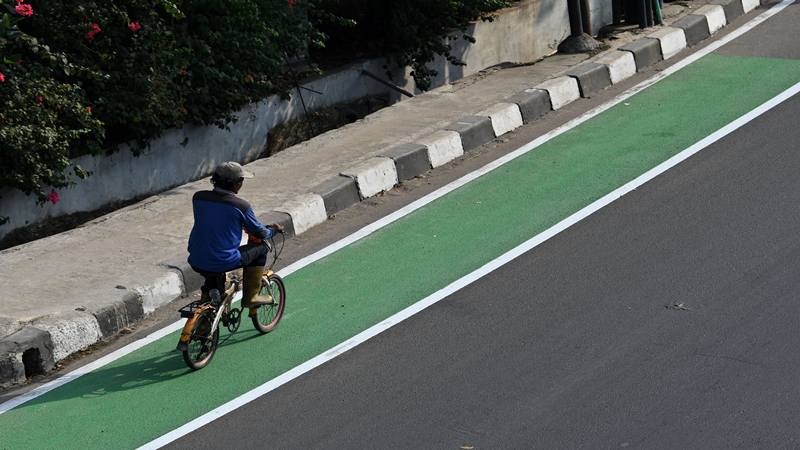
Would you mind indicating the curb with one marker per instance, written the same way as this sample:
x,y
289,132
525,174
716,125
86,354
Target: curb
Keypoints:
x,y
37,347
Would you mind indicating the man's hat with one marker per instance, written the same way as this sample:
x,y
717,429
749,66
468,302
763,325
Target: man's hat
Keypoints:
x,y
231,171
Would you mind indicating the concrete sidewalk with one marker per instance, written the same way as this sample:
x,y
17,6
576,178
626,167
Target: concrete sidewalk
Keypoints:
x,y
66,292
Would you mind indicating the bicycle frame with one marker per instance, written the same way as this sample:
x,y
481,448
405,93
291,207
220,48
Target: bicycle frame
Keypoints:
x,y
225,314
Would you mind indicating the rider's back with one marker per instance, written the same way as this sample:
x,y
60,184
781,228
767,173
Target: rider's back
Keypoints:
x,y
219,216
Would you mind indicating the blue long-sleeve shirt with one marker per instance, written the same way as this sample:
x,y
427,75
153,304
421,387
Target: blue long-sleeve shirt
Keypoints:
x,y
219,217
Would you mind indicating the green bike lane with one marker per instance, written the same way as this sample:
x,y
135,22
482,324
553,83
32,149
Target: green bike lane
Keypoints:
x,y
150,392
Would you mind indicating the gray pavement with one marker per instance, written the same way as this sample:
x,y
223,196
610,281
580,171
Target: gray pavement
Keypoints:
x,y
666,320
86,284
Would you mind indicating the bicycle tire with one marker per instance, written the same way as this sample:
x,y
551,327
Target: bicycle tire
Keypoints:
x,y
268,316
205,351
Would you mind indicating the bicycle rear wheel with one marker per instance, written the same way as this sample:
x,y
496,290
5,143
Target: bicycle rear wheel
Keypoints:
x,y
201,347
268,316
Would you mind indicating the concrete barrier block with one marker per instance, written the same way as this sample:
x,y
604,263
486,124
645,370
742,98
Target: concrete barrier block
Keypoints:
x,y
281,218
306,211
70,332
749,5
621,65
715,17
672,41
373,176
120,315
474,131
190,279
505,117
163,290
695,28
733,8
533,103
646,51
443,146
26,352
592,77
562,91
410,160
338,193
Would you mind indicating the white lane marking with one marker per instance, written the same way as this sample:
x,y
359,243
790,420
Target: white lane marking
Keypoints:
x,y
468,279
472,277
375,226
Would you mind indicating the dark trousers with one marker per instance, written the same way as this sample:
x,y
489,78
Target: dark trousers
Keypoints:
x,y
253,255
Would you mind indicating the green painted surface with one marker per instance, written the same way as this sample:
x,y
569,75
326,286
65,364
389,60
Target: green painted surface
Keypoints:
x,y
149,392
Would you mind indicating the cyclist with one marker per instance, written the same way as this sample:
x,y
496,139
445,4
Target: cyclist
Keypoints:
x,y
219,217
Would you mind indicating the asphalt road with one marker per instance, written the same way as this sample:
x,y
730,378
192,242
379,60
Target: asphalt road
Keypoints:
x,y
667,320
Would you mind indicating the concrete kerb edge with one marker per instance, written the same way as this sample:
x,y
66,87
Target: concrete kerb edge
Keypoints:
x,y
376,175
562,91
23,353
532,103
646,51
621,64
591,77
122,314
475,130
715,17
695,28
443,146
410,160
306,211
672,41
505,117
749,5
338,193
733,8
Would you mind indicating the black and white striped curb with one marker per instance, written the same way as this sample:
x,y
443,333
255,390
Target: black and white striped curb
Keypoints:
x,y
36,348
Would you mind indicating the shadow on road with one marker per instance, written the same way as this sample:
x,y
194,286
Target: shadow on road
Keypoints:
x,y
164,366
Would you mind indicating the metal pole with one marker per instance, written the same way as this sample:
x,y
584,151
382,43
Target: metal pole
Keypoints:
x,y
586,17
386,83
575,17
641,9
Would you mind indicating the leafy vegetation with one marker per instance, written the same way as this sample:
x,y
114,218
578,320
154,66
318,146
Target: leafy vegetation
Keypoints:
x,y
83,77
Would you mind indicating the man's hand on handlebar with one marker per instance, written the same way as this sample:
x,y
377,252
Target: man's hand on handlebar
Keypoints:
x,y
277,227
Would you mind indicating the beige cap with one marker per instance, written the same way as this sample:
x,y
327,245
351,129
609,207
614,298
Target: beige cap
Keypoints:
x,y
232,171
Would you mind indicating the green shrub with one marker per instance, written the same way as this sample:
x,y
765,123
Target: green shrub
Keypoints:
x,y
42,115
127,70
83,77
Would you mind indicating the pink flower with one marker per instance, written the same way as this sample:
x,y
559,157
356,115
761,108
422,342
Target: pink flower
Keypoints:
x,y
39,99
2,77
134,26
23,9
184,72
291,2
53,197
91,34
88,109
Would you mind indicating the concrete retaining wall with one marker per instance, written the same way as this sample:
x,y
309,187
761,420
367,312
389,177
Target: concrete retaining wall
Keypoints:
x,y
525,33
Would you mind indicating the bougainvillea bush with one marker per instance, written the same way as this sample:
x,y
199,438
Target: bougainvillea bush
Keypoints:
x,y
83,77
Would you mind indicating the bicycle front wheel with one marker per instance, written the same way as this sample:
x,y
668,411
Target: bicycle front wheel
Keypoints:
x,y
202,343
269,315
